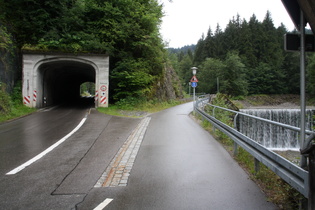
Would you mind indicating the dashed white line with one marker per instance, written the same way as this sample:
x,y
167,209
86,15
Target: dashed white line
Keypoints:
x,y
103,204
45,152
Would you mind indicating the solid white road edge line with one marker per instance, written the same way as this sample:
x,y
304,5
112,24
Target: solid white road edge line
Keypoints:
x,y
102,205
49,149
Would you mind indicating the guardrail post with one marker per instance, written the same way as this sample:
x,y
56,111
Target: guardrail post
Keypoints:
x,y
213,115
311,175
257,165
235,149
235,146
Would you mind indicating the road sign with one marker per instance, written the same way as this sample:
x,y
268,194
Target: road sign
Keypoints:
x,y
292,42
194,79
194,84
103,88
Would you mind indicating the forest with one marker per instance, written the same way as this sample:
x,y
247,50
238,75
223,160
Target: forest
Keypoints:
x,y
246,58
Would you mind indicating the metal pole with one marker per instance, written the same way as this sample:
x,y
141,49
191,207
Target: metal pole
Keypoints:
x,y
194,71
194,98
303,162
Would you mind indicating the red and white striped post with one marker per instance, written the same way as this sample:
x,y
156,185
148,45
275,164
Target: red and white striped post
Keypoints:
x,y
103,96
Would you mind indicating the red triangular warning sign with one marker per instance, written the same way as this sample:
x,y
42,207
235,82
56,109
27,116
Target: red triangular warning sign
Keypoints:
x,y
194,79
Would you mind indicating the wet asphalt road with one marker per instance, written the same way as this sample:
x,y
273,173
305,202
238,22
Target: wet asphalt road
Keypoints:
x,y
22,139
178,165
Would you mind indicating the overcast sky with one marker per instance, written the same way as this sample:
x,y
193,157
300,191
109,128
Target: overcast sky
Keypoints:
x,y
186,20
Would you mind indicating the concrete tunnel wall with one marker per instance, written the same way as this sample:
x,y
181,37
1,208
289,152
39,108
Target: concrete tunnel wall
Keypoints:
x,y
55,79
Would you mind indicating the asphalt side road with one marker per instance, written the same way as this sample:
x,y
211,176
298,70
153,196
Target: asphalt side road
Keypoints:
x,y
179,166
163,161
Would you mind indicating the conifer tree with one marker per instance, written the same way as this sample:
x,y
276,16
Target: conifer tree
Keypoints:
x,y
218,43
232,76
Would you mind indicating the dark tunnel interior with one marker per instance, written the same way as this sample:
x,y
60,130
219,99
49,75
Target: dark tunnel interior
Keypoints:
x,y
61,82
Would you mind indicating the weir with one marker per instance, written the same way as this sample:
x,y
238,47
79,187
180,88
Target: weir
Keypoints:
x,y
272,136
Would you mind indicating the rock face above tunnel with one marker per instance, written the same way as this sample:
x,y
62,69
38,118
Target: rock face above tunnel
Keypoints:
x,y
169,86
50,79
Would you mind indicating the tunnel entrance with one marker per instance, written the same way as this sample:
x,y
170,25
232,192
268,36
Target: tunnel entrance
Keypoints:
x,y
56,79
61,81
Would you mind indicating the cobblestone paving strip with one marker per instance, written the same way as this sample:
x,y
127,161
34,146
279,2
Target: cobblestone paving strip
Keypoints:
x,y
118,171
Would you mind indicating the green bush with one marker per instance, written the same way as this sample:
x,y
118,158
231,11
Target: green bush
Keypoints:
x,y
12,106
128,103
17,94
5,101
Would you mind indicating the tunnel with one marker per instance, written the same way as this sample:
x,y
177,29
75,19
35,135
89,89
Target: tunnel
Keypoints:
x,y
61,82
52,79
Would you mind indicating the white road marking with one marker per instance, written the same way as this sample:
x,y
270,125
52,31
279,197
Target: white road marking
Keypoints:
x,y
47,109
49,149
102,205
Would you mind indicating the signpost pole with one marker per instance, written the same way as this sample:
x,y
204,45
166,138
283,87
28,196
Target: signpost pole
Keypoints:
x,y
194,97
194,81
302,88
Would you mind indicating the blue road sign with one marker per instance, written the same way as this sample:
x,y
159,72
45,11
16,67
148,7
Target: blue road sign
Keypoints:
x,y
194,84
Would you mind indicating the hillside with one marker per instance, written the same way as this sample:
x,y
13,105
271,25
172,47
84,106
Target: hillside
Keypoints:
x,y
126,31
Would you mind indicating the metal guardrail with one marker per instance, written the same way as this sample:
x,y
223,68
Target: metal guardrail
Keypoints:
x,y
294,175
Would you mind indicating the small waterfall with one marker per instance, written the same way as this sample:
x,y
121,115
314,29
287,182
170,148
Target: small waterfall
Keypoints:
x,y
272,136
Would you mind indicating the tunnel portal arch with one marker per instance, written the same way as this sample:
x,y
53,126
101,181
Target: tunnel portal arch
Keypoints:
x,y
50,79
